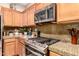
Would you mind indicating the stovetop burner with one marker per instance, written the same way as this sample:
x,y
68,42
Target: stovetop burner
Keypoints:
x,y
44,40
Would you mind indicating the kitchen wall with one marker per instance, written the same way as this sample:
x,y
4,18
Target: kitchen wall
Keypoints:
x,y
57,31
49,28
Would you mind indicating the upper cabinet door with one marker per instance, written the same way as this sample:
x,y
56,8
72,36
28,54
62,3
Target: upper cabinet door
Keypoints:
x,y
31,11
67,13
11,17
16,19
7,14
40,6
25,19
20,20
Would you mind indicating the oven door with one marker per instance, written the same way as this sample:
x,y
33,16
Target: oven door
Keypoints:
x,y
33,51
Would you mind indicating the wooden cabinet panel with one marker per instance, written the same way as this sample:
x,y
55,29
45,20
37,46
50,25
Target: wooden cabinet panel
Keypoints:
x,y
11,17
14,46
21,48
10,49
17,19
31,11
7,16
20,19
67,12
39,6
53,54
25,19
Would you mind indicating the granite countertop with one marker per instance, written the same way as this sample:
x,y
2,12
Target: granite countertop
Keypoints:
x,y
65,49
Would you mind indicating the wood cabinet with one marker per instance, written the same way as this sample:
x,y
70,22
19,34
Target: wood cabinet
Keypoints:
x,y
67,13
14,47
17,19
40,6
25,19
30,15
20,20
9,48
11,17
53,54
7,16
21,46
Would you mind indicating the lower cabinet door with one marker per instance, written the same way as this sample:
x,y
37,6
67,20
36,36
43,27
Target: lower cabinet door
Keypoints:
x,y
14,47
21,49
53,54
10,49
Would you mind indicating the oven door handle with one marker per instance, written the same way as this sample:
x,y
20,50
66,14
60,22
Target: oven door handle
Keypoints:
x,y
38,54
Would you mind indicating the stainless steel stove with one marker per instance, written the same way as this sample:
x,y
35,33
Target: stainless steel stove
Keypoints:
x,y
39,46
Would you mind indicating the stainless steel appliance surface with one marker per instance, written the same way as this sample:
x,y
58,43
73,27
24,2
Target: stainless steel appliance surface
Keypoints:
x,y
39,46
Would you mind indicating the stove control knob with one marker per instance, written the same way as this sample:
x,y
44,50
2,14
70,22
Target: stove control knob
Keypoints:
x,y
45,45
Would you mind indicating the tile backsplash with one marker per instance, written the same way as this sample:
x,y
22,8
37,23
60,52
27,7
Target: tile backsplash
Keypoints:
x,y
58,31
57,28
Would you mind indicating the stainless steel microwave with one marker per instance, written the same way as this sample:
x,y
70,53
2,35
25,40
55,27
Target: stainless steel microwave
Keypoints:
x,y
46,14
